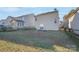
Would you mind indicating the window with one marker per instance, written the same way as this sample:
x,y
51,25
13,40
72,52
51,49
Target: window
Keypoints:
x,y
22,23
41,26
18,23
3,23
55,21
35,18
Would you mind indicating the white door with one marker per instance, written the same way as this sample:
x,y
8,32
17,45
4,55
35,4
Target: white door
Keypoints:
x,y
41,26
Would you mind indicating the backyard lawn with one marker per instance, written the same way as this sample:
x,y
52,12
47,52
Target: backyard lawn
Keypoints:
x,y
31,40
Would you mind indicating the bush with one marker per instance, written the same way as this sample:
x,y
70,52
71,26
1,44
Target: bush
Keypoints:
x,y
2,28
27,28
9,29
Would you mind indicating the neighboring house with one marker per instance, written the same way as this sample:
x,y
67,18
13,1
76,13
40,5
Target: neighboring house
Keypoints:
x,y
3,22
61,25
73,20
12,22
47,21
29,20
25,21
65,22
16,24
44,21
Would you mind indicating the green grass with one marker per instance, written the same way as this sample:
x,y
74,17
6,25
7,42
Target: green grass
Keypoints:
x,y
74,38
46,41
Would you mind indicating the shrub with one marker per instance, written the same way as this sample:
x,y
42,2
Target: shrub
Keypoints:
x,y
27,28
2,28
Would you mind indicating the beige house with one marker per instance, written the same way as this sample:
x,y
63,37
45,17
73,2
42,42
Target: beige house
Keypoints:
x,y
72,20
25,21
3,22
44,21
29,20
12,22
48,21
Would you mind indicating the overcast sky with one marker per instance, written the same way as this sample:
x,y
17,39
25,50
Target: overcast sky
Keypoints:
x,y
18,11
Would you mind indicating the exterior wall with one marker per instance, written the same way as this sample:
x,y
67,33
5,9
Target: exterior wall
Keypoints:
x,y
14,25
8,23
4,22
29,20
75,23
48,20
66,22
1,22
70,21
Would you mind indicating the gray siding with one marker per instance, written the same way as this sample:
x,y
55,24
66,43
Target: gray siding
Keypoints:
x,y
75,23
48,20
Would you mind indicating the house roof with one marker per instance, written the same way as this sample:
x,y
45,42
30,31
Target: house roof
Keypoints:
x,y
48,13
19,20
71,13
3,20
24,15
13,18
